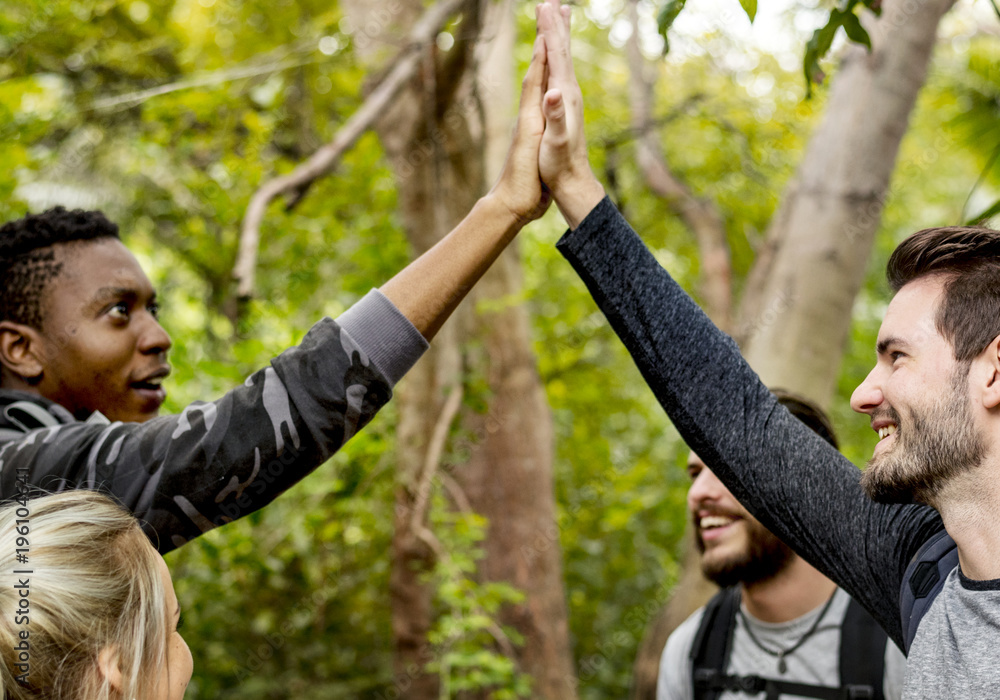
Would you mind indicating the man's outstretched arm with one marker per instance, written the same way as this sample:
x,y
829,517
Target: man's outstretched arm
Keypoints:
x,y
430,288
789,478
215,462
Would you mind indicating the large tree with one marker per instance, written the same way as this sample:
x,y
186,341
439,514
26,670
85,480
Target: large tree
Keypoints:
x,y
479,383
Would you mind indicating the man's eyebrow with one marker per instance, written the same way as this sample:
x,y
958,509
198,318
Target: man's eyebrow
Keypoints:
x,y
886,343
114,293
106,294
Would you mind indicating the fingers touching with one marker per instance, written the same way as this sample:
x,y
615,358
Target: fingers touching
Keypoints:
x,y
554,25
535,79
554,110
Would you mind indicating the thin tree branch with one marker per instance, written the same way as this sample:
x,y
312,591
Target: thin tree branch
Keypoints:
x,y
456,492
652,125
698,214
433,543
403,68
433,457
215,77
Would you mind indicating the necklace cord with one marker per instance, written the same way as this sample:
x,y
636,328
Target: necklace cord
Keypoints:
x,y
782,653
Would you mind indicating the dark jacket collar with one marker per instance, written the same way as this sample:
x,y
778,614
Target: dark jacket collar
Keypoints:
x,y
22,412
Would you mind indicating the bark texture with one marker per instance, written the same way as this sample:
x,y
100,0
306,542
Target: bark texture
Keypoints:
x,y
438,135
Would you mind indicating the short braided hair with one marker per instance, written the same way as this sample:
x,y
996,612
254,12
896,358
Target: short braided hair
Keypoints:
x,y
27,260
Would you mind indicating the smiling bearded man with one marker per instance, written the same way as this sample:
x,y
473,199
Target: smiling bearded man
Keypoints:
x,y
935,444
778,622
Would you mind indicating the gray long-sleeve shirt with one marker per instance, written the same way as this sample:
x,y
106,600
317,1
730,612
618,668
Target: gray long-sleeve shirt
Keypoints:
x,y
796,484
214,462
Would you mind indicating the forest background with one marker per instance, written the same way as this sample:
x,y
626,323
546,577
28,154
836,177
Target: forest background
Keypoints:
x,y
403,568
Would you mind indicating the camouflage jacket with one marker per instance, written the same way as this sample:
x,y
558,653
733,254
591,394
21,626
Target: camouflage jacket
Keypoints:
x,y
185,474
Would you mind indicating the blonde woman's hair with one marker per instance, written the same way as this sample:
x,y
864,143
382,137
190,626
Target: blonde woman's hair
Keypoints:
x,y
94,585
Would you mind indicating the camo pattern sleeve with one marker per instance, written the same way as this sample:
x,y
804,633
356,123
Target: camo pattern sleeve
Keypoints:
x,y
185,474
798,486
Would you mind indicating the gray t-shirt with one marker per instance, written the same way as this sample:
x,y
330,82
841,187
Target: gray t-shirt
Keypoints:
x,y
816,662
955,651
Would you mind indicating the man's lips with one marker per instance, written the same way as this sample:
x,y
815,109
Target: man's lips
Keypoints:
x,y
886,430
712,526
150,385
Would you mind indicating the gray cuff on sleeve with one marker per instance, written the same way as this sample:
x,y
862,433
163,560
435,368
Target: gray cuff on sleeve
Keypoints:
x,y
392,343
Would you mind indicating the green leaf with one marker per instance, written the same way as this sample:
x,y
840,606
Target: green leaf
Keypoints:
x,y
822,39
668,13
817,47
855,32
982,216
750,7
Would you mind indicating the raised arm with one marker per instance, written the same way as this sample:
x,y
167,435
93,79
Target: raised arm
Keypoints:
x,y
430,288
215,462
562,158
185,474
789,478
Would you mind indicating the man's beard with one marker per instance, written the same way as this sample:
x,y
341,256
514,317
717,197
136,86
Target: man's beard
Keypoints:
x,y
764,558
931,448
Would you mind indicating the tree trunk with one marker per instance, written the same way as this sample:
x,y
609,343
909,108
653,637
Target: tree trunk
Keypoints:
x,y
796,310
438,136
510,479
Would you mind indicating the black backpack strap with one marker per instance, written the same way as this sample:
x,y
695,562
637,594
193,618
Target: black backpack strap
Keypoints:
x,y
862,653
923,580
773,688
862,657
713,642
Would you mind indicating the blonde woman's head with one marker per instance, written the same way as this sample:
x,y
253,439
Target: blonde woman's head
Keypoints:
x,y
95,617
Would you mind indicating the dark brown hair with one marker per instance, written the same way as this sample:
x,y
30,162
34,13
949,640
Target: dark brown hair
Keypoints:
x,y
809,413
968,259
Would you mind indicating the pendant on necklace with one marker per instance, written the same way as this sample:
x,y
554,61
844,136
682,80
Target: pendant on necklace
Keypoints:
x,y
782,666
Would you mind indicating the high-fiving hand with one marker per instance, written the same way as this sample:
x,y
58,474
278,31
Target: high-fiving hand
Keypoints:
x,y
519,187
562,158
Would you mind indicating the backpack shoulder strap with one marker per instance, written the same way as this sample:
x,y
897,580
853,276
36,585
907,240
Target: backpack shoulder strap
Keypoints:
x,y
713,643
923,580
862,652
862,657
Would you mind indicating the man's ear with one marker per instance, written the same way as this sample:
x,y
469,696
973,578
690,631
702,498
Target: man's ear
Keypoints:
x,y
991,370
20,351
107,662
